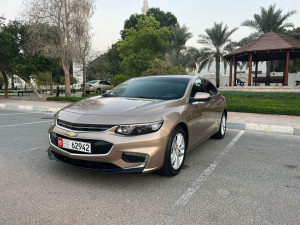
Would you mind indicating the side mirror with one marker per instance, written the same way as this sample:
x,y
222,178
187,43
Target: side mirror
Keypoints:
x,y
201,97
106,93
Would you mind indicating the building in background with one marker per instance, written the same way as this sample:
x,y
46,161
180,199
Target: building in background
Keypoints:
x,y
145,7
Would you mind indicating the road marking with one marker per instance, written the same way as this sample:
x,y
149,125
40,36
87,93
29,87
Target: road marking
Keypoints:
x,y
182,201
30,150
11,114
22,124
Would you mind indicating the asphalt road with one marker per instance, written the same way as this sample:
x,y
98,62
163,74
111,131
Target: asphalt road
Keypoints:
x,y
246,178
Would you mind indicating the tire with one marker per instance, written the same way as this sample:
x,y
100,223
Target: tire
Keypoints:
x,y
98,91
87,92
177,154
222,128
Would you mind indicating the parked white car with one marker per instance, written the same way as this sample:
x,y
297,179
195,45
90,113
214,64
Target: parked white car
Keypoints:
x,y
97,86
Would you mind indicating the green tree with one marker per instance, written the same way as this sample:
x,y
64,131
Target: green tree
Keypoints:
x,y
8,50
1,81
217,43
142,45
161,67
105,65
26,65
268,20
166,19
179,53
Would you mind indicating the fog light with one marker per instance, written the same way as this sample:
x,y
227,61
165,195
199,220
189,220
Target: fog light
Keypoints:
x,y
134,157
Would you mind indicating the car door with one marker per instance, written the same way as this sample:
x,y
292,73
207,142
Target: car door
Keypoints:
x,y
199,120
105,85
215,105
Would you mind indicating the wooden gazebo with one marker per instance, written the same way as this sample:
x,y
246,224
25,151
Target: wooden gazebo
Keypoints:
x,y
271,46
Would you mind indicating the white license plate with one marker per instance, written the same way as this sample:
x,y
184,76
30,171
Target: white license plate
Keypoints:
x,y
74,145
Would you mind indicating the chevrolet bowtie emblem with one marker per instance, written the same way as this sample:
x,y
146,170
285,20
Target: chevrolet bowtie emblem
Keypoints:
x,y
71,134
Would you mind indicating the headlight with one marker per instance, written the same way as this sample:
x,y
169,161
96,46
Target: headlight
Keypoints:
x,y
138,129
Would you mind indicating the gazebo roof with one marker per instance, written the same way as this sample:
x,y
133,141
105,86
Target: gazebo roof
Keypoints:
x,y
271,46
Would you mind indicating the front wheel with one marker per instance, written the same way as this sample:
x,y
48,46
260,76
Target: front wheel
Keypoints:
x,y
175,153
87,92
222,128
98,91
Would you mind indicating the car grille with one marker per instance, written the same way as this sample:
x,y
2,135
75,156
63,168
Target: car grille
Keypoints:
x,y
83,127
98,147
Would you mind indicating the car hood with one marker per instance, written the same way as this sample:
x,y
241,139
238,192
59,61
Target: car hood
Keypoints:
x,y
111,106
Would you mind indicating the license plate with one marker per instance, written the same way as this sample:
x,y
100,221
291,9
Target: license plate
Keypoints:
x,y
74,145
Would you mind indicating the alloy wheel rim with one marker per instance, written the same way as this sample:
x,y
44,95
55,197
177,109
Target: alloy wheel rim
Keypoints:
x,y
177,151
223,125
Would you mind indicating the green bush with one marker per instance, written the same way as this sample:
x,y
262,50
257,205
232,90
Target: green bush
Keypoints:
x,y
118,79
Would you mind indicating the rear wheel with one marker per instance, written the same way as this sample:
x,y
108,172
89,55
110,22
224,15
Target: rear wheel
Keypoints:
x,y
222,128
87,92
98,91
175,153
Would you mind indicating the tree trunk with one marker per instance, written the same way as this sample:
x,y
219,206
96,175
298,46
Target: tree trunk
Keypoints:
x,y
6,83
33,89
51,84
83,77
12,82
66,68
268,72
218,71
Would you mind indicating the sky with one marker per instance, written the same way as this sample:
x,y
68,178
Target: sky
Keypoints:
x,y
198,15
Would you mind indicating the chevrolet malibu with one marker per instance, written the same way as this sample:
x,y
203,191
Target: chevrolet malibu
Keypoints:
x,y
143,125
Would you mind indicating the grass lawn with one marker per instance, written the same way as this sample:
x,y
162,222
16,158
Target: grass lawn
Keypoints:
x,y
261,102
251,102
9,91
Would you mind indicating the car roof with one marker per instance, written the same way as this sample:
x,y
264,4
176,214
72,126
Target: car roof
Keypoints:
x,y
168,76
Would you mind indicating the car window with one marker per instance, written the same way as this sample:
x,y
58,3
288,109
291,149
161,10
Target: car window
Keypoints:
x,y
210,88
104,82
92,82
197,87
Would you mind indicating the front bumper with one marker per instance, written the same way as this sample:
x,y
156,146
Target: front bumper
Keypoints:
x,y
152,145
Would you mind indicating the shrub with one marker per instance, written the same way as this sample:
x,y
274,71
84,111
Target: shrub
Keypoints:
x,y
118,79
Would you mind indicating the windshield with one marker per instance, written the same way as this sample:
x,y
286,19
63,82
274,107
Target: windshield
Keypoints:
x,y
165,88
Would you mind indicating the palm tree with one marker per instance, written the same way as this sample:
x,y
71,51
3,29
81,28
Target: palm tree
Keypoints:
x,y
268,20
178,53
217,43
179,36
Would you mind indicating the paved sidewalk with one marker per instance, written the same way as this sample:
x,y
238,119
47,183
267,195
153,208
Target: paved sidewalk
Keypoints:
x,y
279,124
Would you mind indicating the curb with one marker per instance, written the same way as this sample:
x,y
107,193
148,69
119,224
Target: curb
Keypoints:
x,y
264,128
230,125
29,108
